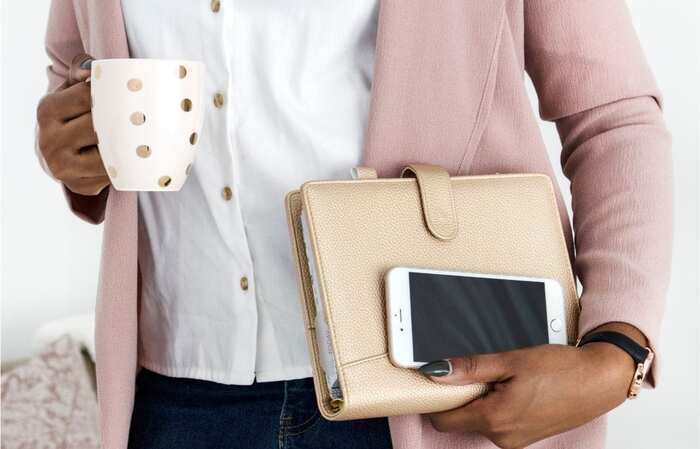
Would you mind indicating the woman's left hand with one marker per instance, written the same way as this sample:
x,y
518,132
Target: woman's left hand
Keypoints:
x,y
536,392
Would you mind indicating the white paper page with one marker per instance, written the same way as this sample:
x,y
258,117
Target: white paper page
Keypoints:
x,y
323,335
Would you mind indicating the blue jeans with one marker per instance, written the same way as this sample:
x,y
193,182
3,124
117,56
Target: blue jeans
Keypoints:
x,y
178,413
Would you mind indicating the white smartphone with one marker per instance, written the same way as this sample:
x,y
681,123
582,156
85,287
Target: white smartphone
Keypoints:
x,y
434,315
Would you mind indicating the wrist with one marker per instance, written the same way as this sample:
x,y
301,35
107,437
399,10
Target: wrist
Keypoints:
x,y
610,365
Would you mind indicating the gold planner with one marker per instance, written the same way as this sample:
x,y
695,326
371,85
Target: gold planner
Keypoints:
x,y
356,230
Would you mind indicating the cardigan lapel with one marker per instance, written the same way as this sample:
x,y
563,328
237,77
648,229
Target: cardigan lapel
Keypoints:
x,y
116,314
102,29
433,82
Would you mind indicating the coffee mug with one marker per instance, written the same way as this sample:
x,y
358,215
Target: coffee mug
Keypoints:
x,y
147,114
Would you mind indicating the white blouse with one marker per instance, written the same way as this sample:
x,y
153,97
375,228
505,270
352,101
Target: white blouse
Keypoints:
x,y
287,92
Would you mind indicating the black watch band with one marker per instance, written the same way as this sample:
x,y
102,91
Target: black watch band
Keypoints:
x,y
635,350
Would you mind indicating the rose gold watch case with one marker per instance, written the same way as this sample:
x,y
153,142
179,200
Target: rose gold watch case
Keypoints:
x,y
640,374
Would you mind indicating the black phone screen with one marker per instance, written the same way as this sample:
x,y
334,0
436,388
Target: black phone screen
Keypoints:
x,y
457,315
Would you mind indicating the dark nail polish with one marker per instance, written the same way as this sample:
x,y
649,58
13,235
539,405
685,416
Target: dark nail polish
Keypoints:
x,y
86,64
438,368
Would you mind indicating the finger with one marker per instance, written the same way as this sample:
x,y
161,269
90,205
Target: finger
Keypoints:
x,y
79,69
89,163
469,418
88,186
79,164
78,132
469,369
68,103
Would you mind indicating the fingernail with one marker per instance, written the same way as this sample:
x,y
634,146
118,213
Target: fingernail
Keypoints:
x,y
86,64
438,368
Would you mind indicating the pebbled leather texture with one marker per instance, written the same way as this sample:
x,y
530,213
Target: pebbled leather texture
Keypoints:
x,y
436,198
508,224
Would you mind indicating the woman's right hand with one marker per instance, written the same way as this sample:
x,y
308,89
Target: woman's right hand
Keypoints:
x,y
67,139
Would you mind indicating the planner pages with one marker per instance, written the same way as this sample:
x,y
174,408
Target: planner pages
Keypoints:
x,y
323,334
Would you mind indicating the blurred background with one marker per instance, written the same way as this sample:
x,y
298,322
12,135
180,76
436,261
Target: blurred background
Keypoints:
x,y
50,258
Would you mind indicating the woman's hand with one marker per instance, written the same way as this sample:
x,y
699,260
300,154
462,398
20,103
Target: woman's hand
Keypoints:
x,y
537,392
67,139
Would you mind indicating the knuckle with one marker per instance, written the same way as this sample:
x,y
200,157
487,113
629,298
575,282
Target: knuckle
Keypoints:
x,y
80,96
42,109
44,144
56,170
52,163
46,139
58,166
469,364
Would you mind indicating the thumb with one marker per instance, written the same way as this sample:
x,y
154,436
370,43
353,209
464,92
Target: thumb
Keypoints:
x,y
469,369
79,69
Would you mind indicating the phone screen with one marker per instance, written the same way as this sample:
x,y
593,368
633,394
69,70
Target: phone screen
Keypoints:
x,y
457,315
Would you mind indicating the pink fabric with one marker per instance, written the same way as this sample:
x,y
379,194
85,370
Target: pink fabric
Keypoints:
x,y
448,89
49,402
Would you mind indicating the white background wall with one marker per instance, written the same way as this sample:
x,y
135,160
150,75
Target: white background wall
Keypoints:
x,y
50,259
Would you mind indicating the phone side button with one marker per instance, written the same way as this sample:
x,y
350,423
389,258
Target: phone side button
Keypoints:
x,y
555,325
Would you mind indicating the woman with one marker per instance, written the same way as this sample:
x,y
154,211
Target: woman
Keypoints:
x,y
290,89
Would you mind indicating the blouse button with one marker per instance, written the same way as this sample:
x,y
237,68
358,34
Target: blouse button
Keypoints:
x,y
218,99
244,283
227,193
215,5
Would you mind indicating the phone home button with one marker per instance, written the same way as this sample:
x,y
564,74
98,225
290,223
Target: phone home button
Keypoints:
x,y
555,325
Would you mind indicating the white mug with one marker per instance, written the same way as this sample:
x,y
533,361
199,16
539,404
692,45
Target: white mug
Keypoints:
x,y
147,114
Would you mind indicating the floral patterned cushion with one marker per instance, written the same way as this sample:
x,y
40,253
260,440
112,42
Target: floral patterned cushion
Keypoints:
x,y
49,402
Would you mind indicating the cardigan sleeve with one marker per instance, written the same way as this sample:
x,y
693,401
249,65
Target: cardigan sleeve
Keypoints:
x,y
593,81
63,43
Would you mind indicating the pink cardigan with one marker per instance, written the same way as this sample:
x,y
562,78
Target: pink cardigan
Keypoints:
x,y
449,89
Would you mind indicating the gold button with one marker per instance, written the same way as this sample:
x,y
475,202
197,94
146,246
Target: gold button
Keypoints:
x,y
218,99
227,193
215,5
244,283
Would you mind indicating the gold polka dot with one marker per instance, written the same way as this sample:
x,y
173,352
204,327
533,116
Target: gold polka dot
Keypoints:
x,y
164,181
219,99
227,193
193,138
97,72
134,84
244,283
186,105
143,151
215,5
112,172
138,118
183,71
188,170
